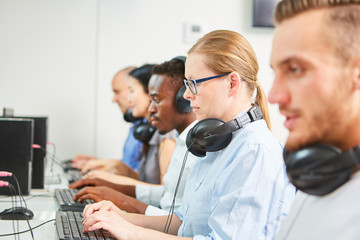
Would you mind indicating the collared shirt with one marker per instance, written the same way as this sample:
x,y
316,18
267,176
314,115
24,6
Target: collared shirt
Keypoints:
x,y
132,150
239,192
160,197
333,216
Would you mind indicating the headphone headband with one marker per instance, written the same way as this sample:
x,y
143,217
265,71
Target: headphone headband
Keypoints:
x,y
253,114
212,134
180,58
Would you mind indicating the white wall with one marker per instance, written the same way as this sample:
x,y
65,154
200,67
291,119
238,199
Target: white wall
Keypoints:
x,y
57,58
47,67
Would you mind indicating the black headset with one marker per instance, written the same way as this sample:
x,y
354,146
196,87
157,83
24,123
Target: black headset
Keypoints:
x,y
182,104
212,134
128,117
319,169
144,131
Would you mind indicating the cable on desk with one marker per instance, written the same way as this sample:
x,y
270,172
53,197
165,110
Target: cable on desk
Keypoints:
x,y
54,159
51,156
13,204
22,197
25,231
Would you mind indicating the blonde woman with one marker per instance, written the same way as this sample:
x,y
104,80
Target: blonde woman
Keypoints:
x,y
237,191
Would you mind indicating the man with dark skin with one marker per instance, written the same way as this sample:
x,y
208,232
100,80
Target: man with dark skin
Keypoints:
x,y
165,116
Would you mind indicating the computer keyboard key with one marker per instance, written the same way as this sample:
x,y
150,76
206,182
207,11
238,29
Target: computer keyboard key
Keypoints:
x,y
65,199
69,227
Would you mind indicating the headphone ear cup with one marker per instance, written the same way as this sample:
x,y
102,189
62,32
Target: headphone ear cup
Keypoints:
x,y
316,169
128,117
182,104
198,145
144,132
192,146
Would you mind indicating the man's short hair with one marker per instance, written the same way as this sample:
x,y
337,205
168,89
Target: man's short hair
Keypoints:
x,y
341,22
175,69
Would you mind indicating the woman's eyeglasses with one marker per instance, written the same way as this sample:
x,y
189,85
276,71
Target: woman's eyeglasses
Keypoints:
x,y
192,84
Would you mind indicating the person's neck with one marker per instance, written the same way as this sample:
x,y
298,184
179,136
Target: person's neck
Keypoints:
x,y
230,115
345,139
189,118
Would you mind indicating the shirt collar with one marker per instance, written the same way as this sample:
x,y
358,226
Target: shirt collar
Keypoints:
x,y
184,133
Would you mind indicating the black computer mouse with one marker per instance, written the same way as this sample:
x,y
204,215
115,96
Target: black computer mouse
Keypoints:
x,y
16,213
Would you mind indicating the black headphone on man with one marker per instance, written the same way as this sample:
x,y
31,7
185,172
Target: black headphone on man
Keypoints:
x,y
319,169
144,131
182,104
213,134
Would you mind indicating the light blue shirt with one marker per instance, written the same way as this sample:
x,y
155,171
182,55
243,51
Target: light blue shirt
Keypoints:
x,y
161,197
132,150
240,192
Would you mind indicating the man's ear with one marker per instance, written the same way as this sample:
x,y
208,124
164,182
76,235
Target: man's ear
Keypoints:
x,y
234,83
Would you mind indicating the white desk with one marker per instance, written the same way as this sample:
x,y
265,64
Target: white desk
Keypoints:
x,y
44,206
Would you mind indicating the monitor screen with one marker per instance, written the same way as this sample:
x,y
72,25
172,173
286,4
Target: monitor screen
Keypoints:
x,y
263,12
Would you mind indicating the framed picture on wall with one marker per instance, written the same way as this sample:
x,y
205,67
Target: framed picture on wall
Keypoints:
x,y
263,12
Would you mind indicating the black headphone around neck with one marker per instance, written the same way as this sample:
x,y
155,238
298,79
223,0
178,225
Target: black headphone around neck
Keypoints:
x,y
212,134
320,169
144,131
128,117
182,104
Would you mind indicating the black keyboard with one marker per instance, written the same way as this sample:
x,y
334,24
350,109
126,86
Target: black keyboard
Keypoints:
x,y
73,175
67,165
66,202
69,227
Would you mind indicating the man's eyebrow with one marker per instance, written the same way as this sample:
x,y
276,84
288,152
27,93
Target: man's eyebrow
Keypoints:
x,y
293,58
282,63
286,61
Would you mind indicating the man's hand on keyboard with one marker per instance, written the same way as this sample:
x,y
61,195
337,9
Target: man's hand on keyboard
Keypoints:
x,y
121,200
95,182
91,182
80,160
110,177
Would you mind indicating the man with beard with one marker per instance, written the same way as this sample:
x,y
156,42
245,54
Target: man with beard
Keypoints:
x,y
316,61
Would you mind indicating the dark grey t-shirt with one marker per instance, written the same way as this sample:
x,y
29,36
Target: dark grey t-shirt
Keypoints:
x,y
149,170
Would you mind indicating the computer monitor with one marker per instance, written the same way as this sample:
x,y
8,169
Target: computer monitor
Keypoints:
x,y
40,138
16,140
39,154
